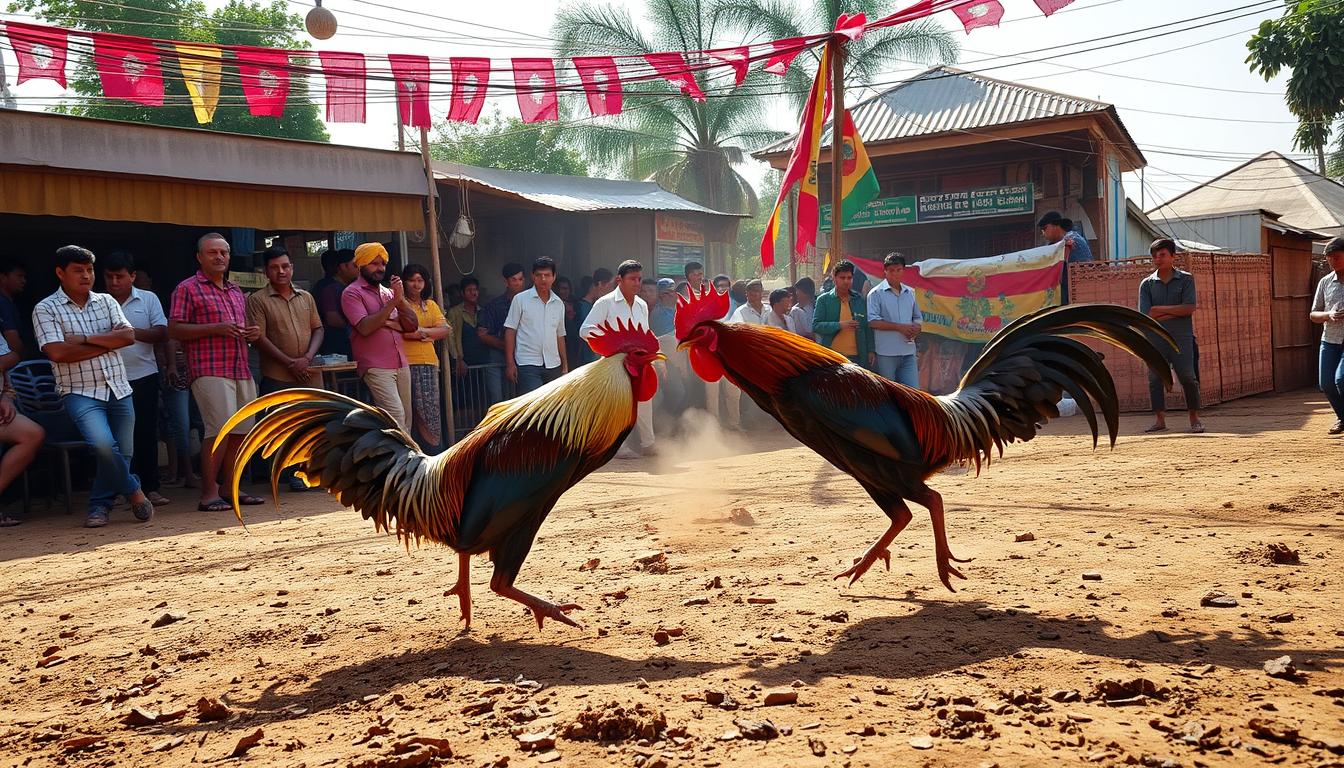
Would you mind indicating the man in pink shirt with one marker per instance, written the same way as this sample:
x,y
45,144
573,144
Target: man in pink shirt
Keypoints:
x,y
378,316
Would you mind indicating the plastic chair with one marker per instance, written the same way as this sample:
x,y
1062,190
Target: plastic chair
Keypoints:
x,y
35,389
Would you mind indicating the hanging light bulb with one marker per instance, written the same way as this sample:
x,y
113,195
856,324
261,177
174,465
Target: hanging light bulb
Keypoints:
x,y
321,23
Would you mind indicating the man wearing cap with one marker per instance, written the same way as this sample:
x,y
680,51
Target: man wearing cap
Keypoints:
x,y
1168,296
378,317
1327,308
663,315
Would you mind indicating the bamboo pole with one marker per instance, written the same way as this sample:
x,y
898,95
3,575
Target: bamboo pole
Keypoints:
x,y
432,229
837,147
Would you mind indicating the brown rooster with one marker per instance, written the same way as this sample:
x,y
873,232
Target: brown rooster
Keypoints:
x,y
891,438
488,493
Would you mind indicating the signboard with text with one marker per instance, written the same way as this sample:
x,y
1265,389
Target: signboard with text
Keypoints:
x,y
677,241
946,206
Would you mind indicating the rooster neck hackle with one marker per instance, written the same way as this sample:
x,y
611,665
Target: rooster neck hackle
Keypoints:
x,y
766,356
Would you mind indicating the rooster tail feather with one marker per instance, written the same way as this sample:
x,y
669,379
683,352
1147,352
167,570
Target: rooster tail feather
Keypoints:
x,y
1013,387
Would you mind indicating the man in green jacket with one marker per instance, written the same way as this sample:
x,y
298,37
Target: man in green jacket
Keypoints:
x,y
843,325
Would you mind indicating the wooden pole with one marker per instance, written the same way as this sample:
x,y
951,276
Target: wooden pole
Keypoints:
x,y
432,229
793,225
837,148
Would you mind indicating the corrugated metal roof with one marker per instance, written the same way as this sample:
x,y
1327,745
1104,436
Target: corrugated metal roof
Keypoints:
x,y
573,193
945,99
1301,197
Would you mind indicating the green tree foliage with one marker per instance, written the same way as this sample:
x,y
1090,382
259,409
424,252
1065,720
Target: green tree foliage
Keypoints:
x,y
263,24
500,142
747,258
1308,40
916,42
690,148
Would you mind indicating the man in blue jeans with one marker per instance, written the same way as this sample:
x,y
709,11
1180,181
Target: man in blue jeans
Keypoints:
x,y
534,332
1327,308
80,332
893,314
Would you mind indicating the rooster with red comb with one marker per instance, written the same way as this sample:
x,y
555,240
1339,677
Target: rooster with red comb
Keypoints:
x,y
488,493
891,438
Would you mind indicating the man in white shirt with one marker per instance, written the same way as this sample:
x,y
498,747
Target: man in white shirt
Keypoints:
x,y
780,315
533,352
625,304
753,311
144,312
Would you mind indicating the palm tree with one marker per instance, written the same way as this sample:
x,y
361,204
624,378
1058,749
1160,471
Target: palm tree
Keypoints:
x,y
690,148
923,42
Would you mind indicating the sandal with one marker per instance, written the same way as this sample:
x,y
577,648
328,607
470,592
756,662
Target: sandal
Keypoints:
x,y
9,522
248,500
1197,428
1337,429
1156,428
216,505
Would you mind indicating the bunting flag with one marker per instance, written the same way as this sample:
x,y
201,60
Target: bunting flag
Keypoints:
x,y
737,58
202,70
858,181
535,83
264,73
411,75
802,169
41,51
979,13
1050,6
785,52
471,76
970,300
601,83
673,68
344,73
129,68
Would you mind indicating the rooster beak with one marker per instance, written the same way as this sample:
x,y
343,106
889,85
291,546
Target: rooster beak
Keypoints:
x,y
683,345
660,356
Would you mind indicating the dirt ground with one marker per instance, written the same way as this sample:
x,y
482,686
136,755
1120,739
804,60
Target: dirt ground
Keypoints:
x,y
322,643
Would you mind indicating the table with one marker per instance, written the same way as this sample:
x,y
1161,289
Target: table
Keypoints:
x,y
334,381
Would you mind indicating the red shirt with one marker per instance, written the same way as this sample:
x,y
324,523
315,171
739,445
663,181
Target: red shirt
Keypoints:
x,y
199,301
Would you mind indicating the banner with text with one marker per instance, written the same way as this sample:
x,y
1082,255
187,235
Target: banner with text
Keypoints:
x,y
946,206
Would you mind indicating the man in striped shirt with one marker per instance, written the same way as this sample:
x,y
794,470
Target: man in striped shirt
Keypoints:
x,y
80,332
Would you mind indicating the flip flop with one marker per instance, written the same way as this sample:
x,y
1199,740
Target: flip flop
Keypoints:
x,y
248,500
217,505
1155,428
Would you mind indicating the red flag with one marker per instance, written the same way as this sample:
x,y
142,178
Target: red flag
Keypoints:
x,y
1050,6
737,58
265,76
534,80
979,13
601,82
411,74
41,51
785,52
129,69
471,76
802,169
852,27
344,73
673,67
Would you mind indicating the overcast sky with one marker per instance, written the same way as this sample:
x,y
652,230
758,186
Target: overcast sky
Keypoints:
x,y
1185,93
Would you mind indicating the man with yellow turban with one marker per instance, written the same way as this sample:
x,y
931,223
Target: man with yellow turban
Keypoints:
x,y
378,315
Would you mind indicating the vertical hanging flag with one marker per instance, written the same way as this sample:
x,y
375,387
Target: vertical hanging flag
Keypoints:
x,y
344,73
673,67
129,68
601,83
785,52
264,73
202,71
471,76
802,169
41,51
737,58
1050,6
858,181
411,76
535,83
979,13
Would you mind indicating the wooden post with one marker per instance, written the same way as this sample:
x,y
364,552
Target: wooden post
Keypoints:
x,y
432,229
793,226
837,145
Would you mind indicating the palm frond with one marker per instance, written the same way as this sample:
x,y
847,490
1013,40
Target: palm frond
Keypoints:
x,y
584,28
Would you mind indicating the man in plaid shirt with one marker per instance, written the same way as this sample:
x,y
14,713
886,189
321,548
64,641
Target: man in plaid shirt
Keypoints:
x,y
209,318
80,331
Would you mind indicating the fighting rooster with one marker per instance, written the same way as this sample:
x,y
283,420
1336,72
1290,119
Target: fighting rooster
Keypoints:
x,y
488,493
891,438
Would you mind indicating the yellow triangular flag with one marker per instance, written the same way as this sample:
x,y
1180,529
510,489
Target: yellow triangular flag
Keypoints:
x,y
202,69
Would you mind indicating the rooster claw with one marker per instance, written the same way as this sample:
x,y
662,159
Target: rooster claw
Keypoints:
x,y
557,612
862,564
946,569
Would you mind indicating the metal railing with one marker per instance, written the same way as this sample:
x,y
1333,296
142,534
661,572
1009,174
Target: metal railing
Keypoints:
x,y
471,398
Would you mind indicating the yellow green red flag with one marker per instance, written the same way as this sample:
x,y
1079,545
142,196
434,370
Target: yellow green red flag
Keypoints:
x,y
802,169
858,182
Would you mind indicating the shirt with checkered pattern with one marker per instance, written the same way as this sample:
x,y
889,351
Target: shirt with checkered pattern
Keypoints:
x,y
58,317
197,300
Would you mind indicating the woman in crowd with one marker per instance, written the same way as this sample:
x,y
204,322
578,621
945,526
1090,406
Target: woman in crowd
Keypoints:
x,y
424,359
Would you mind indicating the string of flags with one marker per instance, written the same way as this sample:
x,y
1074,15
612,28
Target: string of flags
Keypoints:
x,y
135,69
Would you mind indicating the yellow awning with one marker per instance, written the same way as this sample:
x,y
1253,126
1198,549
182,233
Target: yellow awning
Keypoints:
x,y
40,192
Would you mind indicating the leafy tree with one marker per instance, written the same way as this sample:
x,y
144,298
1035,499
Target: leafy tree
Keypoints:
x,y
507,143
746,259
1308,40
918,41
690,148
239,22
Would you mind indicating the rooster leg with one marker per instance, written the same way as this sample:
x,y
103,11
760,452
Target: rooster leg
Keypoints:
x,y
934,501
541,609
900,517
463,586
